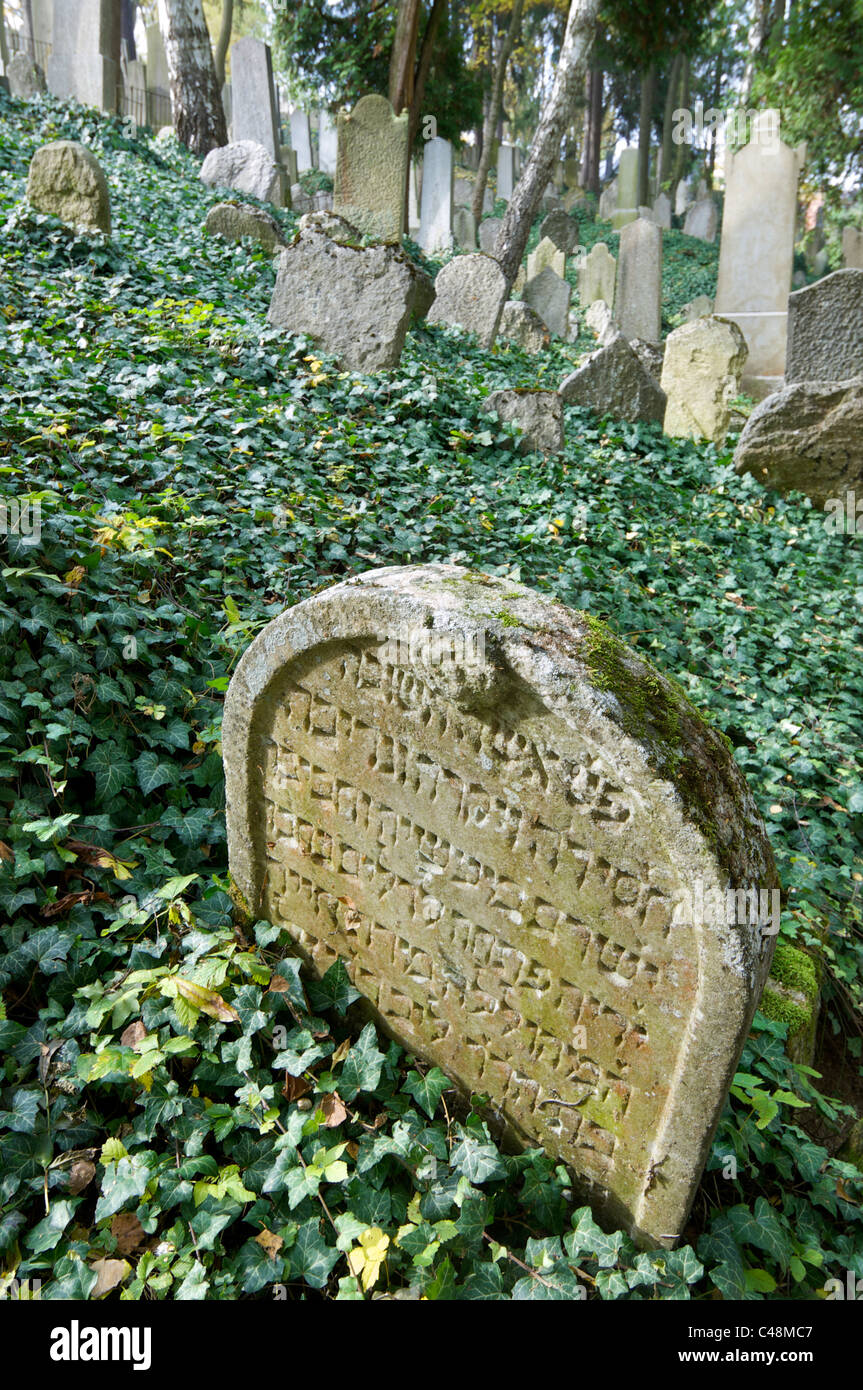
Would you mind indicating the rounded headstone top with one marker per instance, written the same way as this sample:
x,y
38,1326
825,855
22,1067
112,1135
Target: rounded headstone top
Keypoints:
x,y
67,180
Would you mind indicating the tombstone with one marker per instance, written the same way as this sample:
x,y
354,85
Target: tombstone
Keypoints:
x,y
158,76
66,180
488,230
372,168
26,79
561,229
825,329
462,193
600,320
435,231
807,437
638,293
328,142
464,229
247,168
85,54
596,275
449,781
700,377
42,12
683,197
470,293
413,199
662,211
301,139
487,201
852,248
548,295
626,210
608,201
571,172
614,382
546,254
519,324
697,308
505,171
756,251
355,302
254,114
538,413
701,220
232,223
289,164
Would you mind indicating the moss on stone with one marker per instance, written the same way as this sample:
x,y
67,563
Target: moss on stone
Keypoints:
x,y
795,969
792,996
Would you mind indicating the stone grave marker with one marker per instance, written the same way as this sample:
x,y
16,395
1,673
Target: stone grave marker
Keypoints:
x,y
488,230
626,207
26,80
519,837
328,149
561,229
596,275
435,229
67,180
545,254
253,98
464,229
701,220
700,377
470,292
662,211
85,52
852,248
505,171
301,139
247,168
825,329
371,174
549,295
638,294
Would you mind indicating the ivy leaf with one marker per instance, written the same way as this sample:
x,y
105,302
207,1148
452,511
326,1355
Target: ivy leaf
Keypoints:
x,y
427,1090
361,1070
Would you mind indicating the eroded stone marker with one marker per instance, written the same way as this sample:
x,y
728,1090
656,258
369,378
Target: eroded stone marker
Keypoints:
x,y
519,837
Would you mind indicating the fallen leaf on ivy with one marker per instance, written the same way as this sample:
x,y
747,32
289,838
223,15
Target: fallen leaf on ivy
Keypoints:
x,y
127,1231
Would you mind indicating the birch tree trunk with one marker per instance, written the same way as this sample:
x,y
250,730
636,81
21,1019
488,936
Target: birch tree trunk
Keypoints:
x,y
196,100
494,107
556,116
648,88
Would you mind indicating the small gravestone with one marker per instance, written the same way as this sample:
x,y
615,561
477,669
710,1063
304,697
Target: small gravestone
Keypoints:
x,y
355,301
26,79
596,276
809,437
519,838
608,201
66,180
561,229
505,171
232,223
538,413
549,296
488,230
852,248
301,139
697,308
245,167
519,324
683,197
626,208
328,145
600,321
662,211
462,192
825,329
701,376
701,220
435,230
464,229
371,173
614,382
546,254
638,294
470,291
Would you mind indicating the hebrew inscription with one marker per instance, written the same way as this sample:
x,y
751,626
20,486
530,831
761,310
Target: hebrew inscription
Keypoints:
x,y
507,885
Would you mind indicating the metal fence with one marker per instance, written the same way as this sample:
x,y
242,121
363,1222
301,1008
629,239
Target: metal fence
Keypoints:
x,y
40,51
144,106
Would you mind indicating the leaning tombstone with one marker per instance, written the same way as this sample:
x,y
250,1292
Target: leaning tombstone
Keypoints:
x,y
561,229
596,275
548,294
372,168
825,329
538,414
247,168
470,292
701,220
520,838
26,79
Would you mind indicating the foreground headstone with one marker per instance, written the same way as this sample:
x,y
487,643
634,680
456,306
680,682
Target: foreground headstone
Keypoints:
x,y
852,248
521,325
470,291
539,413
638,294
247,168
372,168
355,301
518,836
26,79
232,223
613,382
66,180
825,329
809,437
701,376
596,276
756,251
548,294
435,230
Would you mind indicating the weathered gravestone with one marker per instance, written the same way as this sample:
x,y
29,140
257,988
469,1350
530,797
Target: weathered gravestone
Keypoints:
x,y
638,294
519,837
809,437
372,168
505,171
328,149
701,376
66,180
253,98
488,230
596,275
697,308
464,229
470,291
626,207
85,52
561,229
247,168
701,220
435,229
522,325
613,381
232,223
756,251
538,413
825,329
852,248
548,294
301,139
546,254
26,79
608,201
355,301
662,211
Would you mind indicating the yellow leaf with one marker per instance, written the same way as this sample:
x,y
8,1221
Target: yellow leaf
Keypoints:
x,y
109,1274
270,1242
208,1001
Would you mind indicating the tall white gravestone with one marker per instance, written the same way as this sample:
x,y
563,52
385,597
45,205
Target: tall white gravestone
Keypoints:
x,y
327,142
505,170
638,294
301,139
435,230
253,100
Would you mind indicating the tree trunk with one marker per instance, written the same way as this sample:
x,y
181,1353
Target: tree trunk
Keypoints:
x,y
494,107
759,34
196,100
645,122
714,138
587,141
424,62
556,116
4,51
29,35
403,56
223,41
668,116
682,153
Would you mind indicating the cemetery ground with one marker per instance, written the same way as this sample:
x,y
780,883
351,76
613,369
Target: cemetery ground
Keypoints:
x,y
185,1114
